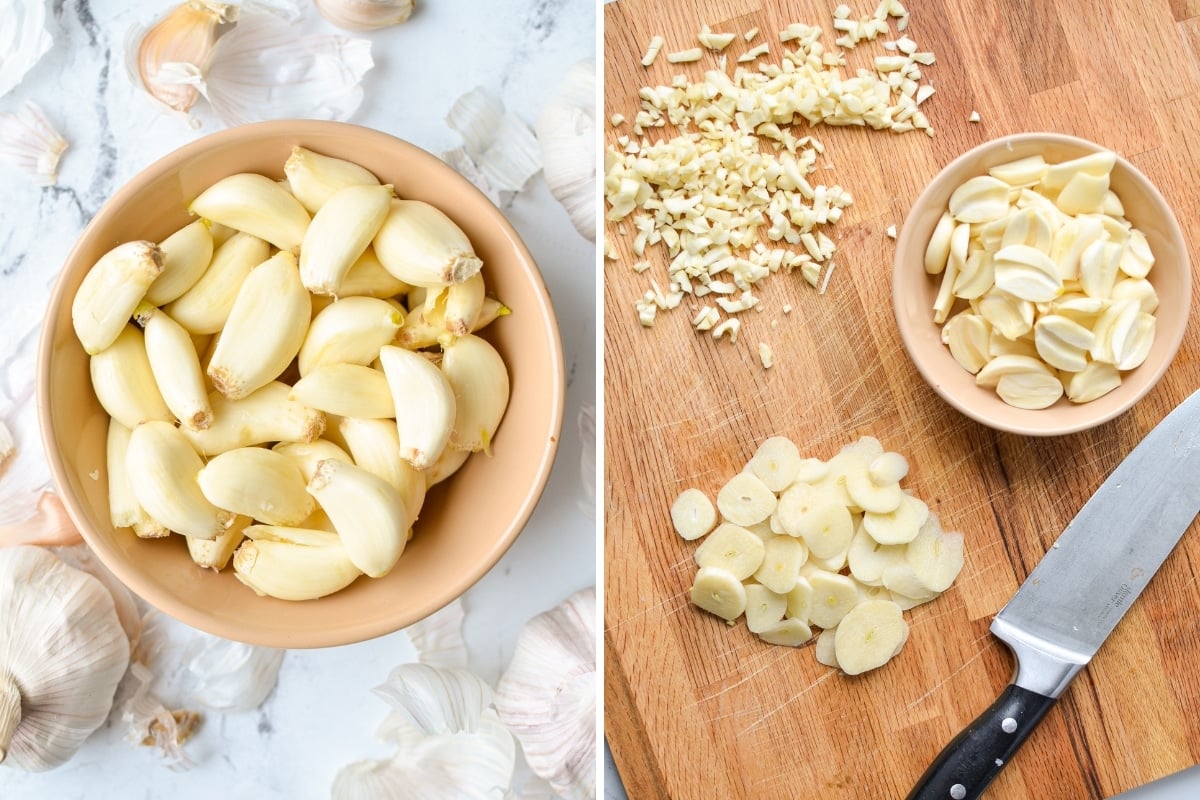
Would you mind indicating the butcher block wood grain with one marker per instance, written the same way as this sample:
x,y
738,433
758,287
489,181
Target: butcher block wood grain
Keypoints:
x,y
698,709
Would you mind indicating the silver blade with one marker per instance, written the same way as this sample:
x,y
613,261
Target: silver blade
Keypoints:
x,y
1090,577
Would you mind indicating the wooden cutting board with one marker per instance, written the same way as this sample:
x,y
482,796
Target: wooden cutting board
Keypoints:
x,y
697,709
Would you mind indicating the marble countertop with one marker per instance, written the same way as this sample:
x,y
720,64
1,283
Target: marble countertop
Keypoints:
x,y
322,714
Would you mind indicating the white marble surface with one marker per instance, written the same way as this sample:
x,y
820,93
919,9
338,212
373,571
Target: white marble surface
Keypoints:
x,y
322,714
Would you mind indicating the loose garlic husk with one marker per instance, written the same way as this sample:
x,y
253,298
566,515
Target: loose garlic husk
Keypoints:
x,y
62,653
365,15
547,697
30,142
566,131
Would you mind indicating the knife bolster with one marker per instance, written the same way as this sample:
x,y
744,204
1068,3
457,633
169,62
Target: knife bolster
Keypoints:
x,y
1042,666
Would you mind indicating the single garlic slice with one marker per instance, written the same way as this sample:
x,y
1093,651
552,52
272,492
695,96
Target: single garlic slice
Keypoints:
x,y
764,608
782,559
825,651
693,514
833,597
1027,273
980,199
968,336
867,558
776,462
732,548
897,527
788,632
745,500
720,592
936,556
869,636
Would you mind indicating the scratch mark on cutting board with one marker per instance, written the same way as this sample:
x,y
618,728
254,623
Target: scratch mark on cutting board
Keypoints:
x,y
762,720
949,677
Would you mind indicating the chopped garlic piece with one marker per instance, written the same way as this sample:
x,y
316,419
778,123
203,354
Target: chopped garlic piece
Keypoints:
x,y
647,310
730,328
753,53
656,43
714,41
974,117
641,266
616,119
891,231
705,319
685,56
750,34
765,355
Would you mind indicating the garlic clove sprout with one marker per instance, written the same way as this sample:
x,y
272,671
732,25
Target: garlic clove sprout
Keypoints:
x,y
62,654
502,148
29,141
566,131
23,40
185,35
365,15
547,696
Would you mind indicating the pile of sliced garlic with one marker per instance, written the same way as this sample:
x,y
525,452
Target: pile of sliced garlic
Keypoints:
x,y
802,542
737,170
1054,278
358,327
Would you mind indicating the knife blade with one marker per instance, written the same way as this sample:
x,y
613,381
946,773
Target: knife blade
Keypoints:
x,y
1076,595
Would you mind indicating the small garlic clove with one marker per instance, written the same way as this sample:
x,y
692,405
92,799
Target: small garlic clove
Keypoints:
x,y
365,15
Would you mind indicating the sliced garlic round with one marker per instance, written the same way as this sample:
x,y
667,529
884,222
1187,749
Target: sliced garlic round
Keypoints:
x,y
692,514
733,549
764,608
745,500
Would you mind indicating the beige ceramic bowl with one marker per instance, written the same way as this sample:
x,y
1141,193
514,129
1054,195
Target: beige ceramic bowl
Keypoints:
x,y
913,291
467,522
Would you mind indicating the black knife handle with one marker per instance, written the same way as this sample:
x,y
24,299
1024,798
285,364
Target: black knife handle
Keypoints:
x,y
975,757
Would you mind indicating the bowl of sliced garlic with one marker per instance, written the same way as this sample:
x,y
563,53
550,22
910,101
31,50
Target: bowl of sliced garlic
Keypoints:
x,y
1041,284
300,384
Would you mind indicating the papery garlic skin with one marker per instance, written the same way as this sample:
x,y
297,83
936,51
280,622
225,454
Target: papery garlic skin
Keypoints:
x,y
30,142
547,696
23,41
566,131
186,35
62,653
365,15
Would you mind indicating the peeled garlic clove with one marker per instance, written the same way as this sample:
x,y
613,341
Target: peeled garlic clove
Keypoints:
x,y
307,455
1031,390
1112,330
265,328
256,205
176,368
314,177
1138,289
347,390
339,234
420,245
186,35
954,263
479,378
365,15
204,307
1058,175
1070,240
215,553
1135,347
367,277
1027,273
293,571
425,405
1009,365
448,463
1022,172
976,277
937,252
257,483
111,290
1062,343
124,509
266,415
350,331
310,537
1093,381
375,446
1098,266
124,381
1011,316
968,336
980,199
1083,194
1137,259
463,302
1028,227
186,255
367,512
163,470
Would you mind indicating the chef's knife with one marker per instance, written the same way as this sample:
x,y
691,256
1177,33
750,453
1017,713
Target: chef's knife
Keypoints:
x,y
1076,595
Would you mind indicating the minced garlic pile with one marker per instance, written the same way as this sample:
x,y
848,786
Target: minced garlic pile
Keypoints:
x,y
736,170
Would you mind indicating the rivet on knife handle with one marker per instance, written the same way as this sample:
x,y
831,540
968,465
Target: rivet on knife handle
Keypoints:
x,y
974,758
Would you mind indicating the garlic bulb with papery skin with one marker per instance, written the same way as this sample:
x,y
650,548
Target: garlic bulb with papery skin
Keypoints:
x,y
365,15
62,653
547,696
566,130
186,35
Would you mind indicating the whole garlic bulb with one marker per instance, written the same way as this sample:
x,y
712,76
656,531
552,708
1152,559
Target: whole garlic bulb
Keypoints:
x,y
62,653
566,130
547,696
365,15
